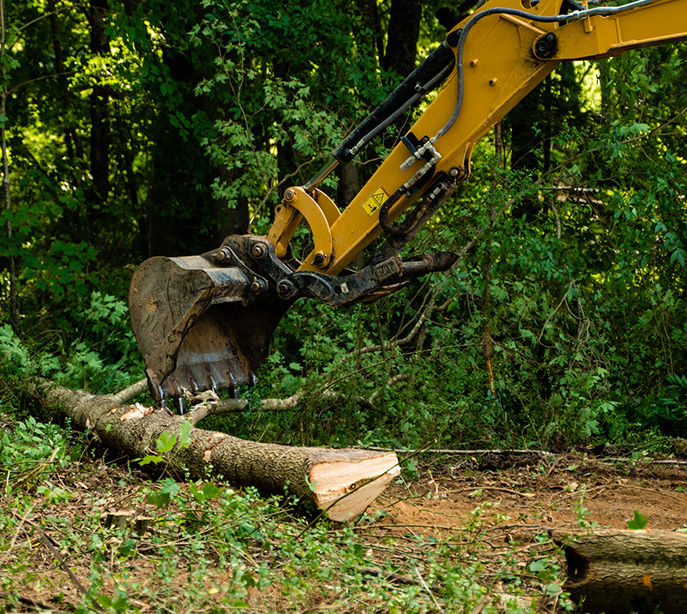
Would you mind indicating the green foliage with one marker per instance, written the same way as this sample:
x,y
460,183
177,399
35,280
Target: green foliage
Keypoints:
x,y
566,319
167,442
30,451
102,358
638,523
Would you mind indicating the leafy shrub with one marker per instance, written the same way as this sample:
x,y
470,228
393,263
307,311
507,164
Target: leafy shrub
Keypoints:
x,y
103,357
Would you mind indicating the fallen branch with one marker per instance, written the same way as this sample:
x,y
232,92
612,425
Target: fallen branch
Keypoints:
x,y
130,393
342,483
226,406
461,452
213,406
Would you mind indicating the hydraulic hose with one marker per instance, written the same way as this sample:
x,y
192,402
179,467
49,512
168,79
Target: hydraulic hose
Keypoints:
x,y
436,68
601,10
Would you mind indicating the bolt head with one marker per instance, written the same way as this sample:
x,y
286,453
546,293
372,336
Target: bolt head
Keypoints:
x,y
258,286
289,195
258,251
286,289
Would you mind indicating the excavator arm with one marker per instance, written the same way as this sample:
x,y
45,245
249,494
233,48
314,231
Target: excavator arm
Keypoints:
x,y
205,322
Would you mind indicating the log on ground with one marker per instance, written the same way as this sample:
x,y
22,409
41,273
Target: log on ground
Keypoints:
x,y
617,572
340,482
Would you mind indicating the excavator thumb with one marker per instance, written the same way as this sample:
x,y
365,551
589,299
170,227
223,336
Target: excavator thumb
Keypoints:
x,y
201,326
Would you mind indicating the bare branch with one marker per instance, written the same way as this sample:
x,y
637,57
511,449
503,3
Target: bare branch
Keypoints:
x,y
130,393
228,406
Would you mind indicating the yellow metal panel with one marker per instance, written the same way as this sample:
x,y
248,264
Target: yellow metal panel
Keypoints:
x,y
651,24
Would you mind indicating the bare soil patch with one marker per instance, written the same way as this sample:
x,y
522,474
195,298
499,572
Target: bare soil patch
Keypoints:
x,y
555,493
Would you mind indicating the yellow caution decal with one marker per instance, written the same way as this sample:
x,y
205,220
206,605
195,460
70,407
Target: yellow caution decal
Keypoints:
x,y
372,204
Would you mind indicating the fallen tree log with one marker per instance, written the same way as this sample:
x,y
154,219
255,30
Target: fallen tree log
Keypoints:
x,y
618,572
341,483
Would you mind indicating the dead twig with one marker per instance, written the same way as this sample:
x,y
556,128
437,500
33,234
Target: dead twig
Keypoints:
x,y
46,540
527,495
543,453
392,576
429,592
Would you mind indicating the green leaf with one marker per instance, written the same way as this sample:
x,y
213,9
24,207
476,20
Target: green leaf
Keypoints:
x,y
159,499
166,441
184,431
150,458
198,495
211,491
104,601
169,485
637,523
539,565
128,547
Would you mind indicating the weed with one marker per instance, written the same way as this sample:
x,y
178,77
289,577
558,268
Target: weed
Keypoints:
x,y
582,514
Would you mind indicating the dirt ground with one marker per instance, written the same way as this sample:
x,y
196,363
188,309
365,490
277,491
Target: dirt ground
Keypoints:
x,y
516,499
548,492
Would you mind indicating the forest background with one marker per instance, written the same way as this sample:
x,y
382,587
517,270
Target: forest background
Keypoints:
x,y
132,129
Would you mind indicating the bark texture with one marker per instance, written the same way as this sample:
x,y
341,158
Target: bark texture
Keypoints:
x,y
617,572
340,482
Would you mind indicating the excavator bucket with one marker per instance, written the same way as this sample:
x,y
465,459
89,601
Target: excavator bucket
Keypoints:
x,y
200,326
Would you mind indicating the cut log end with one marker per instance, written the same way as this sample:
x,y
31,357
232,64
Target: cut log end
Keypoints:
x,y
344,489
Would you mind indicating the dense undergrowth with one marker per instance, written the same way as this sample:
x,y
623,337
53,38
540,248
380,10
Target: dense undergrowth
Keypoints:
x,y
563,324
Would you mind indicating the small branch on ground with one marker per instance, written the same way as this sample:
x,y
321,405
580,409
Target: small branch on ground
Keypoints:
x,y
130,393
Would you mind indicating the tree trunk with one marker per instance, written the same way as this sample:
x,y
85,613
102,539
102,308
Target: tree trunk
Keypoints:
x,y
349,184
617,572
404,30
99,109
370,13
14,316
341,483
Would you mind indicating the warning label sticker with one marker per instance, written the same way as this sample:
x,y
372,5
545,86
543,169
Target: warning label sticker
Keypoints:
x,y
372,204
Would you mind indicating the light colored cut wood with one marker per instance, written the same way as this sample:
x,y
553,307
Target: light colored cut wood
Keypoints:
x,y
344,488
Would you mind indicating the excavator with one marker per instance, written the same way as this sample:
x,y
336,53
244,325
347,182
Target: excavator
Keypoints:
x,y
205,322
